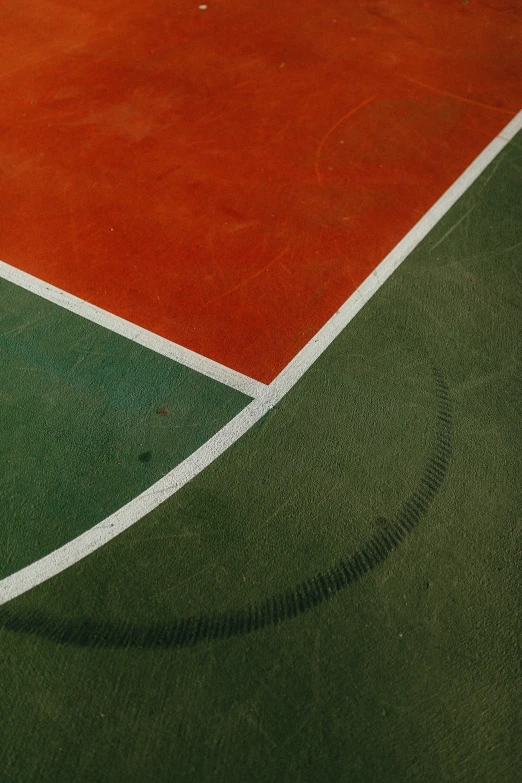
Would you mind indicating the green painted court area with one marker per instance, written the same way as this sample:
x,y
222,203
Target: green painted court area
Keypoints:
x,y
82,433
335,597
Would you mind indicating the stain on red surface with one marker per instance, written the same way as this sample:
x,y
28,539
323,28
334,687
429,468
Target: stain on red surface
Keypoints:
x,y
226,178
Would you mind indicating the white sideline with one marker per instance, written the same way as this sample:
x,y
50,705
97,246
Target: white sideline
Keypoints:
x,y
127,515
138,334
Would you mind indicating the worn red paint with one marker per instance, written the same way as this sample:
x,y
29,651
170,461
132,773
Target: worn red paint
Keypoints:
x,y
227,178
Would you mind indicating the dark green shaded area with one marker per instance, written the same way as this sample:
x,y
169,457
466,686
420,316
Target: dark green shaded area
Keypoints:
x,y
307,595
80,432
410,673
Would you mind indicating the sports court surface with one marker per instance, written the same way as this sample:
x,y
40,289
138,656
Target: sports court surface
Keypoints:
x,y
260,401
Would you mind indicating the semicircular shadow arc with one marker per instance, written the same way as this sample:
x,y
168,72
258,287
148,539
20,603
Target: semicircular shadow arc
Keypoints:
x,y
307,595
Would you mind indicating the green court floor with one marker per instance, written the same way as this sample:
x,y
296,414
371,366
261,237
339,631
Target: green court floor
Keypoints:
x,y
83,434
336,597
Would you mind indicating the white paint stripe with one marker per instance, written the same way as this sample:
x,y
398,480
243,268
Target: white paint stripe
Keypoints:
x,y
137,334
312,350
136,509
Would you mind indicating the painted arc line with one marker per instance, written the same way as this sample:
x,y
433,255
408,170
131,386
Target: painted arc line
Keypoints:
x,y
308,594
69,554
195,361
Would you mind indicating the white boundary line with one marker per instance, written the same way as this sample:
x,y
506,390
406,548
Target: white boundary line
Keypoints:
x,y
136,509
185,356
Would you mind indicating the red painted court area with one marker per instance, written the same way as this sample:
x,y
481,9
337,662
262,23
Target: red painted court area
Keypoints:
x,y
226,177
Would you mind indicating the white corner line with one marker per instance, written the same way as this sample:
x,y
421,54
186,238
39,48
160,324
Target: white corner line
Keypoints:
x,y
184,356
312,350
126,516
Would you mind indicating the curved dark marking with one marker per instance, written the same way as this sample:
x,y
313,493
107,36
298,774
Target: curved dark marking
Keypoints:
x,y
307,595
